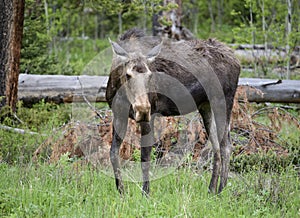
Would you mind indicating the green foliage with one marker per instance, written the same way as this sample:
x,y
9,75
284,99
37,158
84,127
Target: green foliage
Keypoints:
x,y
61,37
274,14
270,161
43,116
136,156
43,119
78,53
54,40
35,55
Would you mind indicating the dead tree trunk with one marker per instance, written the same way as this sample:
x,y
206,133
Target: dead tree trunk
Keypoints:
x,y
220,5
171,27
11,31
288,33
211,14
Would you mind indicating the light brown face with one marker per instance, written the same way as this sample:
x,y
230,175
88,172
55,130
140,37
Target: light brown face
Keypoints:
x,y
136,79
137,83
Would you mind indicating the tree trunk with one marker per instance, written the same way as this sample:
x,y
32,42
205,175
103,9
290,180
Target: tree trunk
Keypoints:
x,y
288,33
174,18
253,38
173,29
156,27
11,31
195,17
211,14
264,29
220,5
120,22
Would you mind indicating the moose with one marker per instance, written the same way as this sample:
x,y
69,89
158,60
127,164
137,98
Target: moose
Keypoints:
x,y
151,76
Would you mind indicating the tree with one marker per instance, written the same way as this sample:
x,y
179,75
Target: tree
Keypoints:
x,y
168,23
288,33
11,31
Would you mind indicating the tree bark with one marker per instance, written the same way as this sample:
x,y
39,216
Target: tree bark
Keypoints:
x,y
195,16
5,20
173,29
11,31
288,33
211,14
156,27
120,23
220,5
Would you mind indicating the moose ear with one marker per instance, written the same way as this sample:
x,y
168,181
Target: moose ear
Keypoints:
x,y
118,50
154,52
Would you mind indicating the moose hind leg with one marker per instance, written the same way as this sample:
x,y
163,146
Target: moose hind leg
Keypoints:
x,y
211,128
147,141
225,157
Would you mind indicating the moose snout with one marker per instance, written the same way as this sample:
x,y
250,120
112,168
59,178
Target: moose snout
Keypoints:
x,y
142,109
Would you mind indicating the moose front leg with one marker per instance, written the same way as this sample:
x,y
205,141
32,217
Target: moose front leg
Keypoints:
x,y
119,130
115,160
147,141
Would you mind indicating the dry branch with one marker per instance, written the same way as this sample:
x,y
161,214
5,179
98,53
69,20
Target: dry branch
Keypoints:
x,y
17,130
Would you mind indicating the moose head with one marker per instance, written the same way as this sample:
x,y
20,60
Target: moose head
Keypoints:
x,y
137,78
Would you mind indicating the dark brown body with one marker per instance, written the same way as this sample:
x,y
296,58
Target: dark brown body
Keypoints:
x,y
172,78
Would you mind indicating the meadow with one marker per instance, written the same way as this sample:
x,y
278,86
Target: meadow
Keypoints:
x,y
62,38
65,189
73,188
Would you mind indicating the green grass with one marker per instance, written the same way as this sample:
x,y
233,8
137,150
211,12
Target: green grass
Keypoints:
x,y
61,190
68,189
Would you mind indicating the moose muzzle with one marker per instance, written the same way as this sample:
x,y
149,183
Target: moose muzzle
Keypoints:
x,y
142,108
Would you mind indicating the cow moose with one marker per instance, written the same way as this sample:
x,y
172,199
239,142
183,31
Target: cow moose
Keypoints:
x,y
150,76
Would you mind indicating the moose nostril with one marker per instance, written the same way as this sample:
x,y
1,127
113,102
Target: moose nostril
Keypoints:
x,y
128,77
142,112
142,116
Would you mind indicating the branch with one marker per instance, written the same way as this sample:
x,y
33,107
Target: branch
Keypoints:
x,y
272,83
17,130
88,103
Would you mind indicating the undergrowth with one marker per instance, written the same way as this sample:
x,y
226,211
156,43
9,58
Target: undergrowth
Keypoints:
x,y
38,122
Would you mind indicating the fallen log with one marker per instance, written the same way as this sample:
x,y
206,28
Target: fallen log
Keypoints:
x,y
61,89
261,47
276,91
68,89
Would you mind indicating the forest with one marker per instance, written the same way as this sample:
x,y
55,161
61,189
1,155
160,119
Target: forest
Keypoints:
x,y
54,151
61,37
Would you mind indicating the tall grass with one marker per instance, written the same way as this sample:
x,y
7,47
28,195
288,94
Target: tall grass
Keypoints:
x,y
72,189
69,189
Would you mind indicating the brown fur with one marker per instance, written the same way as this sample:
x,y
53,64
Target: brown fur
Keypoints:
x,y
206,68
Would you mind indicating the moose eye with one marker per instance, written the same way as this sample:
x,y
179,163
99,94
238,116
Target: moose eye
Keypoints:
x,y
140,68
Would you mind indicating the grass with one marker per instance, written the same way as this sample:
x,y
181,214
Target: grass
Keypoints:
x,y
70,189
62,190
